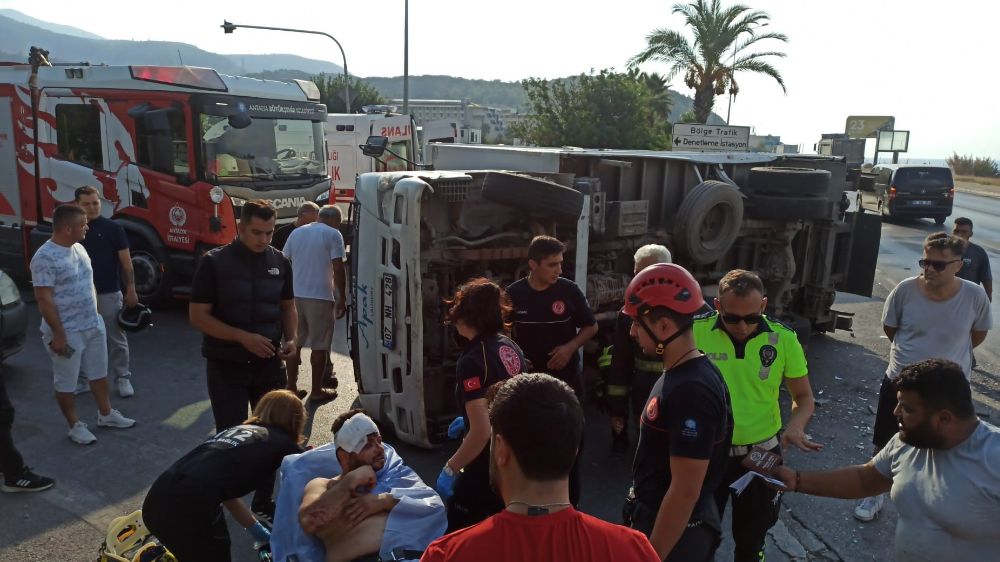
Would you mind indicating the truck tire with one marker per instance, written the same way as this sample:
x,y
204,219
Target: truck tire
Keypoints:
x,y
770,207
796,182
708,221
526,192
153,278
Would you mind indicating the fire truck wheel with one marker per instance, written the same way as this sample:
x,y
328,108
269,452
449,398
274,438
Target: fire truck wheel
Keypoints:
x,y
797,182
152,274
708,221
770,207
525,192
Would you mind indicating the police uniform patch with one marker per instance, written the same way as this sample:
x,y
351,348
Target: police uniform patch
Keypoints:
x,y
768,354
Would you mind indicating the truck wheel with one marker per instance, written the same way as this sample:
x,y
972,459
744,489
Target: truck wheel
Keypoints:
x,y
152,273
798,182
787,208
939,220
532,193
708,221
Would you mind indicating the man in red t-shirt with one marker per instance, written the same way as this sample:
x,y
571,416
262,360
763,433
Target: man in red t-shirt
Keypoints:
x,y
530,469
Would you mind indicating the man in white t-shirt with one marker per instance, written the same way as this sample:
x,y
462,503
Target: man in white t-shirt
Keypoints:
x,y
316,251
942,470
72,330
936,314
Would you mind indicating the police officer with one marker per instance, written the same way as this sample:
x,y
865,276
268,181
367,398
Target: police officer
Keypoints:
x,y
480,312
552,320
631,373
755,355
686,424
242,300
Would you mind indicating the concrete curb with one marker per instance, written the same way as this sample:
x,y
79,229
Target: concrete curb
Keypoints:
x,y
982,192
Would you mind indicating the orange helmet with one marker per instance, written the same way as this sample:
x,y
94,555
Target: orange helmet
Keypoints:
x,y
664,285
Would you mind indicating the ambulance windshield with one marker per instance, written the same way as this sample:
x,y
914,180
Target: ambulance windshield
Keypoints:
x,y
268,149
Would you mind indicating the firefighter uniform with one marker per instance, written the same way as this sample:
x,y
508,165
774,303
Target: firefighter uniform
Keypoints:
x,y
753,371
631,375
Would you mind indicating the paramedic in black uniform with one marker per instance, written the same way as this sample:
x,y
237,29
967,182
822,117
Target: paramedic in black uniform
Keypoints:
x,y
183,508
686,426
552,320
480,312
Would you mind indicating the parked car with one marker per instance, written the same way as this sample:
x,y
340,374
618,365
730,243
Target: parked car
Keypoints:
x,y
13,317
910,190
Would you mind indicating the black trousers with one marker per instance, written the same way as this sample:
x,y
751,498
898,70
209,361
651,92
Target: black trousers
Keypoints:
x,y
698,542
754,511
191,529
11,463
474,499
232,388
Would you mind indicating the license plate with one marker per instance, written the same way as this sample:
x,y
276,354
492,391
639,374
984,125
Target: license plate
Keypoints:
x,y
389,311
921,202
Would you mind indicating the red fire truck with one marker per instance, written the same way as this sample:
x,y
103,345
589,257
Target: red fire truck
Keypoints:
x,y
174,152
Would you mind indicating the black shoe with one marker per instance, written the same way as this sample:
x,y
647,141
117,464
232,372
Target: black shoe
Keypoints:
x,y
28,481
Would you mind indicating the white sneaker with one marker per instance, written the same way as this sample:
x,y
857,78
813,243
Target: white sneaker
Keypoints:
x,y
82,387
868,508
125,388
114,419
80,434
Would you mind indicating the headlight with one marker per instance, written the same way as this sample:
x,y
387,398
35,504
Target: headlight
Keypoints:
x,y
8,290
216,194
323,198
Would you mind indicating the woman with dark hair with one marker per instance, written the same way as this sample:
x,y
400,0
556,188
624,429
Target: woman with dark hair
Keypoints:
x,y
183,509
480,312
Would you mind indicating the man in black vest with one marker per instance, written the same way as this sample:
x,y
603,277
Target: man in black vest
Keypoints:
x,y
242,300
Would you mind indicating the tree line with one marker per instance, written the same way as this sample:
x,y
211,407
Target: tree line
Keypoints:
x,y
984,167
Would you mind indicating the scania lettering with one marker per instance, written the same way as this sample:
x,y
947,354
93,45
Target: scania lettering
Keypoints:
x,y
174,152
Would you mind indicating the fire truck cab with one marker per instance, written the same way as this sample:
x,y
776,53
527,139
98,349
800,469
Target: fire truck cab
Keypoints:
x,y
174,152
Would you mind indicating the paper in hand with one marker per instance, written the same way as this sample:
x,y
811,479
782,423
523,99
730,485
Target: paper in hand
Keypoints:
x,y
743,481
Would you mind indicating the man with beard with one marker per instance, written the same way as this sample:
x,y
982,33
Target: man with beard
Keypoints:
x,y
942,469
356,496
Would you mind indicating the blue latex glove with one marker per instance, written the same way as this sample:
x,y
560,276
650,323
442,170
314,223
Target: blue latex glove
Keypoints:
x,y
259,533
445,485
457,428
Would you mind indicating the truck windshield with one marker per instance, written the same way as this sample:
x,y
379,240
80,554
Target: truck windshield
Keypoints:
x,y
268,149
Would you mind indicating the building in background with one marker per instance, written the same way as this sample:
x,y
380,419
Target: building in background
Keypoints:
x,y
492,123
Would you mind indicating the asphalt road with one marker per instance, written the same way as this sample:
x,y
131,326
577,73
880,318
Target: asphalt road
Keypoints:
x,y
99,482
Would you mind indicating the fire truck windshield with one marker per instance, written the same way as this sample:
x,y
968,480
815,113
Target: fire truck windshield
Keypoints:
x,y
268,149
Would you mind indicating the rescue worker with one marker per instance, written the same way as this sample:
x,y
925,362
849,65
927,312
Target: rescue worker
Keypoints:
x,y
631,373
183,508
755,354
552,320
686,424
480,312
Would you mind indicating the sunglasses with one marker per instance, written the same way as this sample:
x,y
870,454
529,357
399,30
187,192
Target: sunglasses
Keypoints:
x,y
938,265
749,319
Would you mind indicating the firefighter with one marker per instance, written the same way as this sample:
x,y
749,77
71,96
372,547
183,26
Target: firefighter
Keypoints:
x,y
755,354
686,424
631,373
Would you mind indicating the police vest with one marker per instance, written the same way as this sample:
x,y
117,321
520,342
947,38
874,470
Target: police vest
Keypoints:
x,y
753,372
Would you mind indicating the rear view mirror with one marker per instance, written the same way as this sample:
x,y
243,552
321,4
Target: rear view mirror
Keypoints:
x,y
375,146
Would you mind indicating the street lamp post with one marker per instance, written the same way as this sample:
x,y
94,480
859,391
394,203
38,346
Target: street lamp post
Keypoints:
x,y
406,57
229,27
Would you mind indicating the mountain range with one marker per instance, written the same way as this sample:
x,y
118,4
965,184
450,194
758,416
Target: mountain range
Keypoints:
x,y
67,44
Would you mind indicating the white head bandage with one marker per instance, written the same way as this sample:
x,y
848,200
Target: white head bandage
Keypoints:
x,y
353,435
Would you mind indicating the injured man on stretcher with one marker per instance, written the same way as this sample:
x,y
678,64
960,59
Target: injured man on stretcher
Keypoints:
x,y
353,499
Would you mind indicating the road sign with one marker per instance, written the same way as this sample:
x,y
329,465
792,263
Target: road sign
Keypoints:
x,y
893,141
866,126
711,138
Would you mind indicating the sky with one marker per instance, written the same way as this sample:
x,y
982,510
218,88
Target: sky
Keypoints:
x,y
920,61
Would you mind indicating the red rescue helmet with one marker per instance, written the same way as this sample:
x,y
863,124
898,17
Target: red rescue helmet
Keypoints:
x,y
664,285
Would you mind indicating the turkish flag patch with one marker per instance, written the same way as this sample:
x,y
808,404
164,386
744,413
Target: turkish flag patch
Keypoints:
x,y
472,383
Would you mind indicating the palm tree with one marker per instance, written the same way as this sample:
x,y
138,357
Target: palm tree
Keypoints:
x,y
661,99
721,38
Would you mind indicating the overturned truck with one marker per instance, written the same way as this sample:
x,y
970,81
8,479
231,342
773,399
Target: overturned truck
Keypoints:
x,y
418,235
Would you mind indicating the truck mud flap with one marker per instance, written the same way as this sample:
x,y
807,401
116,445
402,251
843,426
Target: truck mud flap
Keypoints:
x,y
863,253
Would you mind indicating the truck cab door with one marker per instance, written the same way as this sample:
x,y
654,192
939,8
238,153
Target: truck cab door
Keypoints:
x,y
73,149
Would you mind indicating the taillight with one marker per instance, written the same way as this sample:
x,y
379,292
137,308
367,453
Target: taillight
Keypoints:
x,y
951,193
892,192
